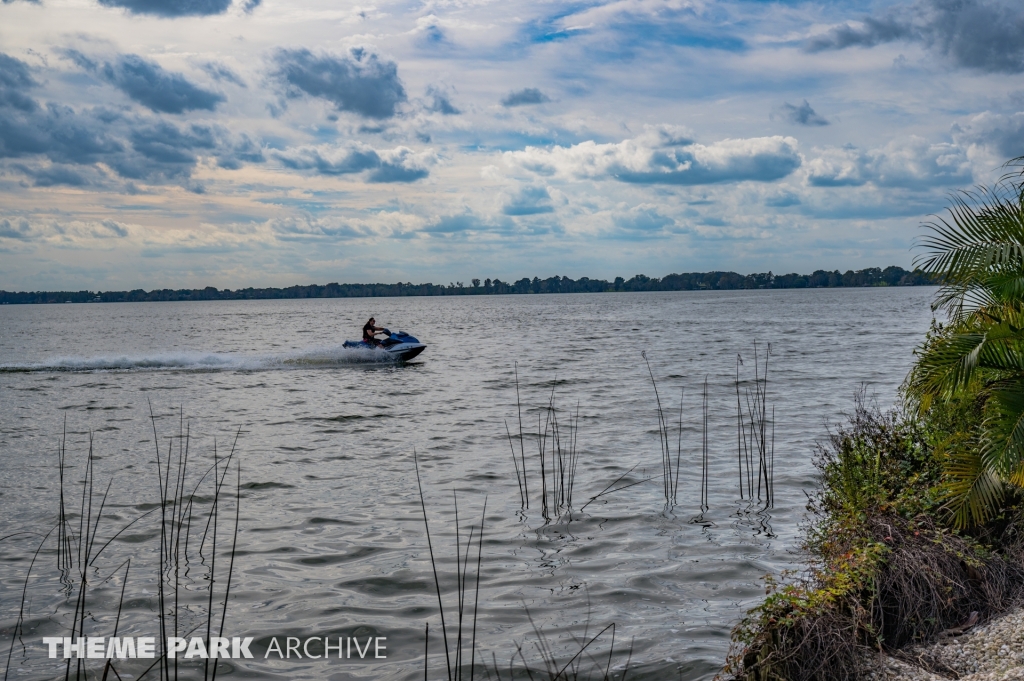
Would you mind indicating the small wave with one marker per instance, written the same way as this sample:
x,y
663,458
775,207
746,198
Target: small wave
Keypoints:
x,y
330,357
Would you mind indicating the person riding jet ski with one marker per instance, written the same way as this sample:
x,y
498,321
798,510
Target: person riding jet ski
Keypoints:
x,y
395,346
370,331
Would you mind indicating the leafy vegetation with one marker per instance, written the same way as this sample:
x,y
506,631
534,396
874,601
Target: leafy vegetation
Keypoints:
x,y
978,251
918,520
888,566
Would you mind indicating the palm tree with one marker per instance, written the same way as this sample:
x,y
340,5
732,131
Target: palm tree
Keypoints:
x,y
977,253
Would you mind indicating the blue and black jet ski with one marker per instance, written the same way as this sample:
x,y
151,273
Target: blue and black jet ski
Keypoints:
x,y
397,346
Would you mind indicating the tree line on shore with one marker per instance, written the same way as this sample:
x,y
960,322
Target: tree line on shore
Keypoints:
x,y
692,281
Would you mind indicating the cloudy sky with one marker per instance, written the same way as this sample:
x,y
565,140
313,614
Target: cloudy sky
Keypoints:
x,y
174,143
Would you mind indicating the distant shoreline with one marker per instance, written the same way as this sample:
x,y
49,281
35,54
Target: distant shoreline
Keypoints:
x,y
693,281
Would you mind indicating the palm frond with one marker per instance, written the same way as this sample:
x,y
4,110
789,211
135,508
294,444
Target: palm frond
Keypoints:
x,y
976,249
1003,451
947,365
982,230
973,490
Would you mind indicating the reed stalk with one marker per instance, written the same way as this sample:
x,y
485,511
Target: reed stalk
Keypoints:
x,y
80,542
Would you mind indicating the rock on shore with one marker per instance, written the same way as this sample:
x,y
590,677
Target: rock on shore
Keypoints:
x,y
991,652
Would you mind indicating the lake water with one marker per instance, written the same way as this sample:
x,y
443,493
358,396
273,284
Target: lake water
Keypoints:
x,y
331,538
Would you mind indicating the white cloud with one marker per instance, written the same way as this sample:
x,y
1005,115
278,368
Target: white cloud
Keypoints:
x,y
993,136
368,164
665,156
913,162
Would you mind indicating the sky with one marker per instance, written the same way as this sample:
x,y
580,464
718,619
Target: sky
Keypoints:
x,y
233,143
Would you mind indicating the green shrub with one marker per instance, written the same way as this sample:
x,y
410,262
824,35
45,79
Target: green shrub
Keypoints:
x,y
887,566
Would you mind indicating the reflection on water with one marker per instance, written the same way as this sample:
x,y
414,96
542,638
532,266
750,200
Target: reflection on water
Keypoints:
x,y
332,538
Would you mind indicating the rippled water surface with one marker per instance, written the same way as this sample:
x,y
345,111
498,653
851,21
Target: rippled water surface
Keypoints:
x,y
331,536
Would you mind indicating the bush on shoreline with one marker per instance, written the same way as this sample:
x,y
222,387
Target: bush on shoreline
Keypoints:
x,y
918,526
888,566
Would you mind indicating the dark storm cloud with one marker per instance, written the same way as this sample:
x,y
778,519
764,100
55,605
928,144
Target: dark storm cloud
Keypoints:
x,y
222,73
360,82
986,36
802,115
59,174
243,149
57,133
530,95
56,144
529,200
873,32
17,229
151,85
396,165
164,148
983,34
166,151
15,80
397,171
441,103
171,8
350,161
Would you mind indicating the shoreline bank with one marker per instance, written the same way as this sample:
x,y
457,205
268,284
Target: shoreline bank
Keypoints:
x,y
989,651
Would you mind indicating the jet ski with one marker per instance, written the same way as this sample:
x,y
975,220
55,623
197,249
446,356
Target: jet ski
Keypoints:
x,y
396,346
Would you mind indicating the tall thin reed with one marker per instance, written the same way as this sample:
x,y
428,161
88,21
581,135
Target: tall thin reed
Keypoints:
x,y
522,450
704,452
558,457
465,632
456,671
670,472
753,437
80,543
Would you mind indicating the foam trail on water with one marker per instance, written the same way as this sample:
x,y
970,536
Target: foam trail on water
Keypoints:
x,y
326,357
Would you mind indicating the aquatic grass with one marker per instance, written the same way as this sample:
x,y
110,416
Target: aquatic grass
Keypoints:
x,y
755,438
464,627
15,634
522,452
755,433
456,671
703,451
558,462
670,469
670,473
571,669
558,457
608,490
80,541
